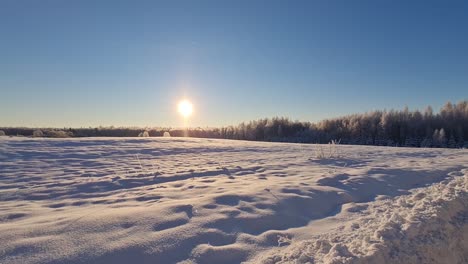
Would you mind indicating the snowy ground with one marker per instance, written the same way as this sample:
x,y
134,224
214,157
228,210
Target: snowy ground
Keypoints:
x,y
170,200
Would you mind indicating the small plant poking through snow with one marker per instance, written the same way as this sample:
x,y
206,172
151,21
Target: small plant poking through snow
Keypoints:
x,y
144,170
139,162
328,152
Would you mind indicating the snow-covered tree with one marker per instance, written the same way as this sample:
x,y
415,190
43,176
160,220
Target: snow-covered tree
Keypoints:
x,y
38,133
144,134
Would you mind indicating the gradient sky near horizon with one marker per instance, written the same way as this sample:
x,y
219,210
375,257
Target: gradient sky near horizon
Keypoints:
x,y
128,63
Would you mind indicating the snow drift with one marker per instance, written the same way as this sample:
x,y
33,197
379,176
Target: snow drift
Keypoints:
x,y
428,226
173,200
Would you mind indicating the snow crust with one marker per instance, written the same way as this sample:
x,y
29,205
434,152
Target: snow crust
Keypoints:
x,y
173,200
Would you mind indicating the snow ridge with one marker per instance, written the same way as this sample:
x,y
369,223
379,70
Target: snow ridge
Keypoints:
x,y
430,225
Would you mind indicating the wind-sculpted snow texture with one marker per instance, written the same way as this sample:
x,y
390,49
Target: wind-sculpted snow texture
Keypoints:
x,y
177,200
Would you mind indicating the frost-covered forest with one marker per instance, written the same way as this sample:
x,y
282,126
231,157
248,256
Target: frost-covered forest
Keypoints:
x,y
446,128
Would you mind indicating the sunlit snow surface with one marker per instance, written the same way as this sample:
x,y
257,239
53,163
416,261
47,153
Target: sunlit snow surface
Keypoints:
x,y
170,200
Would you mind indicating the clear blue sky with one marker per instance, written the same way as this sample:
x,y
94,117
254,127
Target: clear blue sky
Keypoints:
x,y
125,63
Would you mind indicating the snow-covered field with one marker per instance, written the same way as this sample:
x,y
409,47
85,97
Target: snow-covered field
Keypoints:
x,y
170,200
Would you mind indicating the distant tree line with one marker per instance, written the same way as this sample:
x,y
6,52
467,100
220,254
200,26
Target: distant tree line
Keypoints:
x,y
446,128
109,132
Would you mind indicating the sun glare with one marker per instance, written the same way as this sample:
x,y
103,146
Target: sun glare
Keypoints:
x,y
185,108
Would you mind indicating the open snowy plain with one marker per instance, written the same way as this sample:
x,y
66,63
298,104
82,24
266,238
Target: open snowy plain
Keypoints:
x,y
182,200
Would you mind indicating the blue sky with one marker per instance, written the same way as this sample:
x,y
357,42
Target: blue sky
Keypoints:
x,y
128,63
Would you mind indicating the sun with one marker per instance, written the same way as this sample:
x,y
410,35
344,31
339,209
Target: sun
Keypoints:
x,y
185,108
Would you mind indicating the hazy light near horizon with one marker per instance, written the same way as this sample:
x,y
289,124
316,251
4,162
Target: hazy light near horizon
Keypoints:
x,y
185,108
